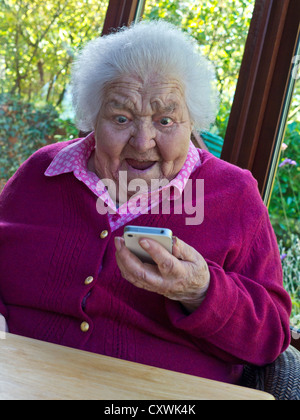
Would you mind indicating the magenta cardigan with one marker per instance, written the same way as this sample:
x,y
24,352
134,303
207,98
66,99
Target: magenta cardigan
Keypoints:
x,y
50,244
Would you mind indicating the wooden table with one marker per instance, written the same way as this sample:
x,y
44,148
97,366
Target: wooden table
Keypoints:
x,y
31,370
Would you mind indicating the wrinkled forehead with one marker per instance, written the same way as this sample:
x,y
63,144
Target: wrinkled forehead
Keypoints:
x,y
131,93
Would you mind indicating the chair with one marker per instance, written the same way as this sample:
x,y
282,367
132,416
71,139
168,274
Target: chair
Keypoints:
x,y
208,141
281,378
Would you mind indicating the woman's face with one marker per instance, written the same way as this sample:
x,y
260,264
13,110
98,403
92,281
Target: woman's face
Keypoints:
x,y
143,128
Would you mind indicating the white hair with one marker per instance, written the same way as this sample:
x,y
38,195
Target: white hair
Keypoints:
x,y
140,50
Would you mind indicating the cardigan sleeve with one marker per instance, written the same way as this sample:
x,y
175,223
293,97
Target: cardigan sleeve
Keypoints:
x,y
244,317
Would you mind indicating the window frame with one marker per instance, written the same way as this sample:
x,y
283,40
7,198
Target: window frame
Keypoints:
x,y
122,13
256,114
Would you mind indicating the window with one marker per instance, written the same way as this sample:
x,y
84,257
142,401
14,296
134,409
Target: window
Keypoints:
x,y
284,208
284,205
264,78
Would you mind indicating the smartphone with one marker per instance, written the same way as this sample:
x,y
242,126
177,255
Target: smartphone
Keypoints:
x,y
132,235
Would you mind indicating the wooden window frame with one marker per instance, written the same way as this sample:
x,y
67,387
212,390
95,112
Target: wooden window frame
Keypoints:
x,y
260,97
122,13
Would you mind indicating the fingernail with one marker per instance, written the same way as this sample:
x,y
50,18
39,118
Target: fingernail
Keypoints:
x,y
145,244
118,243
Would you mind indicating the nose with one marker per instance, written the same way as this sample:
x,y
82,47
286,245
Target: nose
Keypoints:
x,y
143,137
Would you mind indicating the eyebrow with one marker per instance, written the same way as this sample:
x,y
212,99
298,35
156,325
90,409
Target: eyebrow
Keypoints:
x,y
116,104
156,106
171,107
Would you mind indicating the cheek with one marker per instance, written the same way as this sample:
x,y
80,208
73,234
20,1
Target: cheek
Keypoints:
x,y
109,141
175,146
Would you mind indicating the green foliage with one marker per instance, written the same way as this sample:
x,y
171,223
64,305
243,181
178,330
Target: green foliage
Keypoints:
x,y
285,215
25,128
291,274
285,202
38,42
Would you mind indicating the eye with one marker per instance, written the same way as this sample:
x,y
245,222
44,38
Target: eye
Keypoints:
x,y
121,119
166,121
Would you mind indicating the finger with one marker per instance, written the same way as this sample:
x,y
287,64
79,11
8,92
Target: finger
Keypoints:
x,y
183,251
166,262
127,261
142,275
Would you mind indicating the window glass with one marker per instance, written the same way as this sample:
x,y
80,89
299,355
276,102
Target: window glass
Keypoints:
x,y
221,29
39,39
284,207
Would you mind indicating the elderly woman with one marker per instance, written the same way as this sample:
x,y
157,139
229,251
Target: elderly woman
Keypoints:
x,y
217,302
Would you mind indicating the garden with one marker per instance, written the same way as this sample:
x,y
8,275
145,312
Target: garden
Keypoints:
x,y
39,40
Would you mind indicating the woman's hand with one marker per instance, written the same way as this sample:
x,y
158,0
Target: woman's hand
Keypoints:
x,y
183,276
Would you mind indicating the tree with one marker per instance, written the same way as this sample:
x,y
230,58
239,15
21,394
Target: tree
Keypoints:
x,y
38,41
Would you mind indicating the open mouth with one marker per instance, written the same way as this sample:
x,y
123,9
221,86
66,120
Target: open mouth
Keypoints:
x,y
140,165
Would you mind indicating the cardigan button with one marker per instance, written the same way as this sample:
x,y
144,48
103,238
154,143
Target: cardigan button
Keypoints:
x,y
104,234
84,327
88,280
